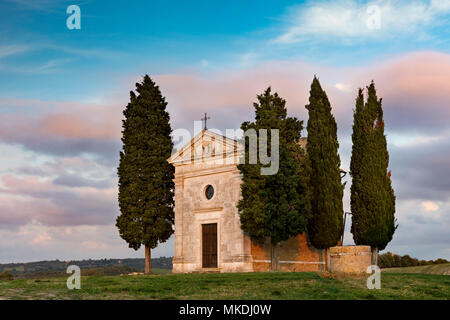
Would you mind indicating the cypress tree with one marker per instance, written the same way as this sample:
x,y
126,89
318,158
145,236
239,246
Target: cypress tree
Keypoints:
x,y
145,177
372,196
275,206
326,191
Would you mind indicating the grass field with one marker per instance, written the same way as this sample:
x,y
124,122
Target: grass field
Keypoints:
x,y
274,285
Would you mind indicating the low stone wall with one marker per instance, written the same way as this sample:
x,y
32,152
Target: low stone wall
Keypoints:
x,y
349,259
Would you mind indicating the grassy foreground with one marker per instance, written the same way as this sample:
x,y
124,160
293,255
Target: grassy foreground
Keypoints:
x,y
274,285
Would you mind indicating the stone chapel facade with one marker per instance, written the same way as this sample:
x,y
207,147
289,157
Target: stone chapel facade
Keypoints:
x,y
208,235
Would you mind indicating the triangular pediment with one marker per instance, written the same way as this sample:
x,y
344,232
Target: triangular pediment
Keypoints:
x,y
206,145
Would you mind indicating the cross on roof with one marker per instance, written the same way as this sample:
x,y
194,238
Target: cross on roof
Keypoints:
x,y
205,118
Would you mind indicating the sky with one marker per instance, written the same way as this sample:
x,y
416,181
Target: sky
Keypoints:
x,y
62,93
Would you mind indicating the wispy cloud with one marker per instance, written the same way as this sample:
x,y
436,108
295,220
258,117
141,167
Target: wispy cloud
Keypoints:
x,y
64,55
10,50
48,67
350,19
48,6
84,52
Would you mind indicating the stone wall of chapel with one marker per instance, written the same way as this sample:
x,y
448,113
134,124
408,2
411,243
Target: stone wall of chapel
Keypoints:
x,y
236,252
204,163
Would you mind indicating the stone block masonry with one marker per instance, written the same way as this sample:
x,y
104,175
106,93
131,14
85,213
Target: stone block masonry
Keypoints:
x,y
350,259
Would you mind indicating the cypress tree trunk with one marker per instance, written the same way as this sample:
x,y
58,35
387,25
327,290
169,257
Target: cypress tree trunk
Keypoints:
x,y
148,260
327,258
273,257
375,256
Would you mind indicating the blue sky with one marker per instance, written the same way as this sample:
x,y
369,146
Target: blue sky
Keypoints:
x,y
52,62
62,92
156,36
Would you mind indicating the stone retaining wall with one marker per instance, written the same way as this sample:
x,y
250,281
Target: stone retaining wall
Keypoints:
x,y
294,254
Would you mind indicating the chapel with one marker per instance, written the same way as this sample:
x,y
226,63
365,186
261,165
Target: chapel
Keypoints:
x,y
208,234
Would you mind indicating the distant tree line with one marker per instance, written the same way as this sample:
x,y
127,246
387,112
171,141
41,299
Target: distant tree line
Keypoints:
x,y
97,271
88,267
392,260
6,275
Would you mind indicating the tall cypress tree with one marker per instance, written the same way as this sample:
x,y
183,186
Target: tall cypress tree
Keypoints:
x,y
326,191
372,195
275,206
145,177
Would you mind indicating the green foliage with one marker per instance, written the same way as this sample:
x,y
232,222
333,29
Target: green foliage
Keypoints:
x,y
6,275
372,196
407,261
145,176
386,260
439,261
274,206
326,191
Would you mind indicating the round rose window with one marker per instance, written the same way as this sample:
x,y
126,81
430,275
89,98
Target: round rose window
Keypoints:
x,y
209,192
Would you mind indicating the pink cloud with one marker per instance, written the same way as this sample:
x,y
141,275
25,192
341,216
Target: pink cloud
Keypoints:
x,y
16,211
102,126
233,92
415,90
424,74
26,184
26,199
414,86
67,121
40,239
93,245
236,88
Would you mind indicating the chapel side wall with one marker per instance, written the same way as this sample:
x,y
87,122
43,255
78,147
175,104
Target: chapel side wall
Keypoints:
x,y
190,230
178,262
294,254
